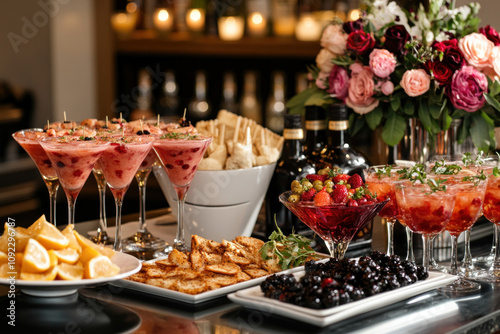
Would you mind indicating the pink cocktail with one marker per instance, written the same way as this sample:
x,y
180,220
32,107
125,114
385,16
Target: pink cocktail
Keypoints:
x,y
73,159
335,224
180,155
119,163
29,140
425,209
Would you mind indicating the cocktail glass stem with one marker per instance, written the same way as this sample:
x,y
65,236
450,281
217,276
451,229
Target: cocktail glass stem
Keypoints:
x,y
426,239
103,223
179,242
141,181
495,266
390,236
118,231
432,261
410,256
337,249
52,186
71,209
467,263
454,255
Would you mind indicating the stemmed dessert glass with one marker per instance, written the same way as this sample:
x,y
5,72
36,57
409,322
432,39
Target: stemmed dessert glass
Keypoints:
x,y
73,158
142,240
101,236
335,224
468,205
29,141
491,210
180,155
426,206
119,163
381,180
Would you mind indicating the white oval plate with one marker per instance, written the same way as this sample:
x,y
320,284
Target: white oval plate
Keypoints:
x,y
128,265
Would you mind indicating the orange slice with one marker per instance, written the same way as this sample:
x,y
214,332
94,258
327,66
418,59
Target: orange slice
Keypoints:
x,y
88,254
48,275
3,257
22,236
50,237
73,243
37,225
67,255
100,266
36,259
67,271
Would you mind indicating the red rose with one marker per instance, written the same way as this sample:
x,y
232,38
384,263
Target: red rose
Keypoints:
x,y
360,42
396,37
453,58
351,26
490,34
440,71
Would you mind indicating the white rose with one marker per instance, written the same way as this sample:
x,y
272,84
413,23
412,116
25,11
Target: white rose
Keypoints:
x,y
324,60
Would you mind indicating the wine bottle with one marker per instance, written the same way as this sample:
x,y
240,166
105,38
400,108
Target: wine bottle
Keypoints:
x,y
339,153
250,105
229,93
316,135
144,97
169,98
199,108
292,165
275,108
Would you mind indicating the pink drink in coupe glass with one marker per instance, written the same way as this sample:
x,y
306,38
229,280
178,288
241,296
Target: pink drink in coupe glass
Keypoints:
x,y
180,155
73,160
29,141
119,163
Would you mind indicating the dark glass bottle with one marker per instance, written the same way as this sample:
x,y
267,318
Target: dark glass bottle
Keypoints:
x,y
316,135
339,152
292,165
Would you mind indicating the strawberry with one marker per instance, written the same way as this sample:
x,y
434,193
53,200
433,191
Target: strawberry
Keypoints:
x,y
341,178
308,195
339,194
314,177
352,202
355,181
362,201
322,198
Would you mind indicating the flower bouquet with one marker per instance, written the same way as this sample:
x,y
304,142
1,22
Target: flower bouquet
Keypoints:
x,y
391,65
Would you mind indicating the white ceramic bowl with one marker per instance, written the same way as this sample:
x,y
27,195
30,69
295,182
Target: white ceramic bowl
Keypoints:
x,y
220,204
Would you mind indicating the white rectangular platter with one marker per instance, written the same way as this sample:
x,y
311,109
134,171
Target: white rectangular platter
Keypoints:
x,y
254,298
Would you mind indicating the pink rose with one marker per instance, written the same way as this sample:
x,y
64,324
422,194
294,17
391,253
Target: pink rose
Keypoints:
x,y
476,49
334,39
387,88
356,67
467,88
415,82
494,62
361,89
382,62
324,60
338,82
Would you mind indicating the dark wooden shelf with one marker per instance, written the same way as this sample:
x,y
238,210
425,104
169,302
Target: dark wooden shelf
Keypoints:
x,y
148,42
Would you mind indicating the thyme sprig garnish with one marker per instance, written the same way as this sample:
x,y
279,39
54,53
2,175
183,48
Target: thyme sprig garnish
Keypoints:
x,y
475,178
442,168
436,185
468,161
384,171
178,135
291,251
415,173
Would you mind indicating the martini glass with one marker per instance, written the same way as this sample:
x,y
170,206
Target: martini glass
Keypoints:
x,y
143,240
180,155
381,180
467,210
29,141
335,224
425,211
73,160
119,163
101,236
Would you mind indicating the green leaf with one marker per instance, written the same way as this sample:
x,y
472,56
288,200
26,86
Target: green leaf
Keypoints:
x,y
446,121
394,129
409,107
374,117
435,111
492,101
494,88
317,99
463,130
297,110
395,104
301,97
480,131
355,124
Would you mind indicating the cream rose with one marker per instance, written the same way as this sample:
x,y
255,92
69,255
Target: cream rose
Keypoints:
x,y
415,82
334,39
477,50
324,60
495,63
361,89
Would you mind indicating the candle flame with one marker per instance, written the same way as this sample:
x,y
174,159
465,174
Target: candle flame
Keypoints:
x,y
257,18
195,15
163,15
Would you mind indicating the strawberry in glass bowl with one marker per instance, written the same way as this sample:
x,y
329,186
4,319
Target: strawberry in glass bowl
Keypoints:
x,y
334,205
